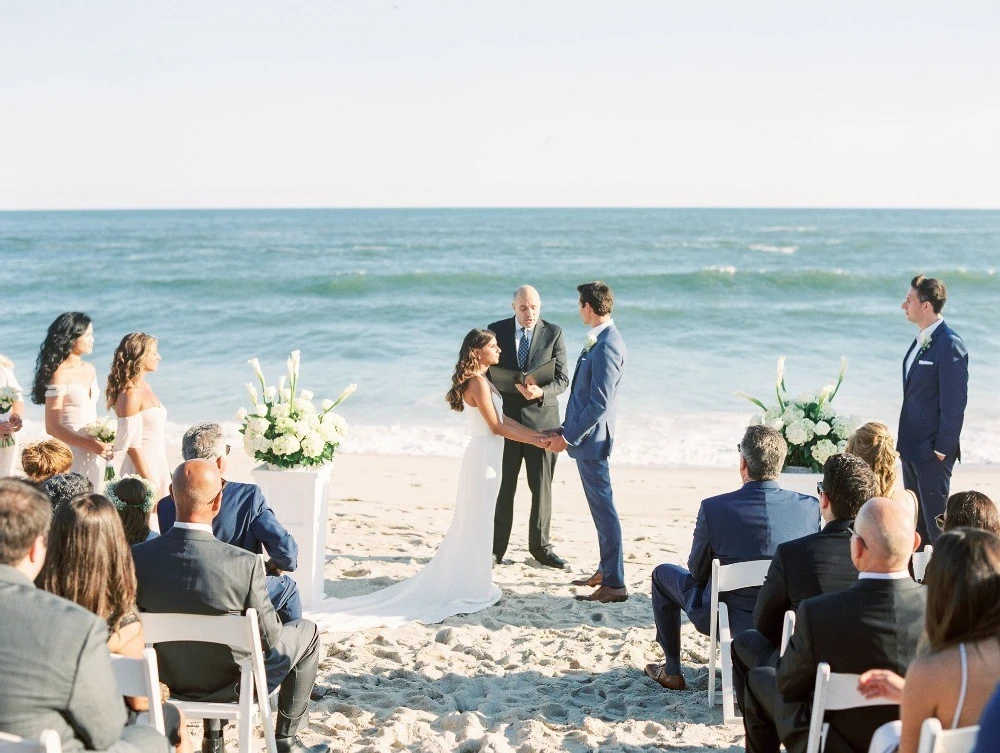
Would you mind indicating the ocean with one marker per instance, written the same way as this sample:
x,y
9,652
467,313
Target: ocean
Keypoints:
x,y
707,300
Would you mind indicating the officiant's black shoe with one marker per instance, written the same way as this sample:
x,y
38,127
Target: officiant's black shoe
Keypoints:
x,y
550,559
605,595
319,692
295,745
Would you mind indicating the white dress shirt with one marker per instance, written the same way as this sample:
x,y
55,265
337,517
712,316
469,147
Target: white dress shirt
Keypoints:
x,y
194,526
916,348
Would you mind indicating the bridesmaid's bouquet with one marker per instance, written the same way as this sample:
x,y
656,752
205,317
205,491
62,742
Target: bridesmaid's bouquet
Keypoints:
x,y
808,422
104,430
284,427
8,396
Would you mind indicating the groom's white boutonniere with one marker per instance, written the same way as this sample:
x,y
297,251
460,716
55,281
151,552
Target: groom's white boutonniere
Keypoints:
x,y
923,341
591,342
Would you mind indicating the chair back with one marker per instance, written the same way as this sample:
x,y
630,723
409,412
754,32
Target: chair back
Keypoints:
x,y
787,630
834,691
920,560
47,742
934,739
140,678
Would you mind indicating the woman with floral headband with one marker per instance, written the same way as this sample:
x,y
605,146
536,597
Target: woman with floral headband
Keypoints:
x,y
133,496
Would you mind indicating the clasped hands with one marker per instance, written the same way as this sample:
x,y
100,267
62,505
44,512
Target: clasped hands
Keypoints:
x,y
11,425
552,440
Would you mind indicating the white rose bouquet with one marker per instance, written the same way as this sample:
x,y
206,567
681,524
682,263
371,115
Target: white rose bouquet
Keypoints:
x,y
808,423
284,428
104,430
8,396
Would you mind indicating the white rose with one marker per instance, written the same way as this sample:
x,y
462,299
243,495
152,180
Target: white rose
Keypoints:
x,y
260,409
777,424
821,428
241,414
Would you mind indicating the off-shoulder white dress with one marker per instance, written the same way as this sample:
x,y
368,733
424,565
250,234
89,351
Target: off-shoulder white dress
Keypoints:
x,y
146,431
79,408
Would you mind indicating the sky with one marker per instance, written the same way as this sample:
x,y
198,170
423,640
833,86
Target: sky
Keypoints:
x,y
372,103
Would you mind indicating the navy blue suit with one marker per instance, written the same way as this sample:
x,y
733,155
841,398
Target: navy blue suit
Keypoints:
x,y
245,520
743,525
935,393
589,429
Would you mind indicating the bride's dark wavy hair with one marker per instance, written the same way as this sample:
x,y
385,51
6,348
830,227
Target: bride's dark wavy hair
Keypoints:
x,y
467,366
58,343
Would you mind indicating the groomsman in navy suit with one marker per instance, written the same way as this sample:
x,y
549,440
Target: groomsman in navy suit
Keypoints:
x,y
588,434
935,392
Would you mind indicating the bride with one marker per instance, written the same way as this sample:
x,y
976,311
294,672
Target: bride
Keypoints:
x,y
459,579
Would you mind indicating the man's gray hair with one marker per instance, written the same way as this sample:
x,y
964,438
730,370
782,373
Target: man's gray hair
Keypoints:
x,y
764,449
202,441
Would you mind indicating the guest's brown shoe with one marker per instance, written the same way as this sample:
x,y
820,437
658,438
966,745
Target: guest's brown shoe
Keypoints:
x,y
658,673
592,582
605,595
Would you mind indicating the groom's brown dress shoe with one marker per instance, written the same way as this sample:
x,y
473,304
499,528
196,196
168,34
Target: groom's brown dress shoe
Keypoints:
x,y
658,673
592,582
605,595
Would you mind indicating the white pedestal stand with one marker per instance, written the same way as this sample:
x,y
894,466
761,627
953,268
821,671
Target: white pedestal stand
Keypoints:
x,y
300,500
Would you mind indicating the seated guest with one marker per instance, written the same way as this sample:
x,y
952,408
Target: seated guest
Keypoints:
x,y
815,564
56,666
954,680
873,443
969,510
246,521
989,725
875,623
743,525
133,496
89,562
64,486
43,460
188,570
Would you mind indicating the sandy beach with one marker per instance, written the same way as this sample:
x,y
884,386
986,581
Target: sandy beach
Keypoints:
x,y
538,671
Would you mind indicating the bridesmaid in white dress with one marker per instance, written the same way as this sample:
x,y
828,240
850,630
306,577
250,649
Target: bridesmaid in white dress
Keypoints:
x,y
10,421
67,386
459,579
141,417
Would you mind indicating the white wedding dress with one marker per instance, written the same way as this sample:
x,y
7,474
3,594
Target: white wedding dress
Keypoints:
x,y
459,579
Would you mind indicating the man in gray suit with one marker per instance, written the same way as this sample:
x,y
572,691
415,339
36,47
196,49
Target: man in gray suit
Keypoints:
x,y
188,570
54,660
526,342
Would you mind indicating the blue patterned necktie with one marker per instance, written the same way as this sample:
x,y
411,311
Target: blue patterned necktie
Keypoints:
x,y
522,350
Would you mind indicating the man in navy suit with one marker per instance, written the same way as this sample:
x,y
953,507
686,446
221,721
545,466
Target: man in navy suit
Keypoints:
x,y
747,524
588,434
935,392
245,520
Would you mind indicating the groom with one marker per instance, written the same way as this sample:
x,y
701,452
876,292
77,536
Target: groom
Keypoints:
x,y
588,434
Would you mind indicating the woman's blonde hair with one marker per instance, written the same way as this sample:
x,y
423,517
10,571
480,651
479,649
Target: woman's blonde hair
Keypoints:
x,y
467,366
874,444
43,460
127,364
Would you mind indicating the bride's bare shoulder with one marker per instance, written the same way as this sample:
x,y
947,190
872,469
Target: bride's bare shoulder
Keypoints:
x,y
475,389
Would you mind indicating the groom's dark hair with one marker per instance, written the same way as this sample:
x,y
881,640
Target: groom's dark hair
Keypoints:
x,y
598,295
930,291
764,449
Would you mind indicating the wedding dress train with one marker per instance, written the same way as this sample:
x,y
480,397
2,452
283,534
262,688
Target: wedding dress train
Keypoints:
x,y
459,579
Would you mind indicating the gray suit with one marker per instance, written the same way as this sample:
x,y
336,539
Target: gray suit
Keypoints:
x,y
190,571
55,673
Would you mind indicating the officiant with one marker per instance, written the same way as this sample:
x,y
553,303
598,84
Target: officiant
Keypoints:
x,y
528,343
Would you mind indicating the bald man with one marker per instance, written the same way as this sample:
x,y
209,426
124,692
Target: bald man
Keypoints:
x,y
188,570
526,342
875,624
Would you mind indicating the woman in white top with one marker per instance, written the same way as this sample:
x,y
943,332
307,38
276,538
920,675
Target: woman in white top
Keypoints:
x,y
954,678
11,420
141,418
67,386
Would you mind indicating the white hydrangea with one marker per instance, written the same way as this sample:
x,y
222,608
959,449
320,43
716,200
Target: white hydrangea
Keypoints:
x,y
825,411
771,414
821,428
844,426
254,443
257,425
796,433
260,409
280,410
338,423
805,398
792,413
284,425
777,424
822,450
312,445
286,444
303,406
302,428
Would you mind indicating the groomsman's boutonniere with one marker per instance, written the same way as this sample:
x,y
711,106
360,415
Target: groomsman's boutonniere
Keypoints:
x,y
923,341
591,342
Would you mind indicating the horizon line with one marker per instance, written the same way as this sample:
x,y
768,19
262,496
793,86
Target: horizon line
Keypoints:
x,y
502,207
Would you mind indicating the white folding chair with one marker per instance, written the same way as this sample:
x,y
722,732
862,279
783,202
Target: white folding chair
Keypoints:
x,y
934,739
920,560
240,632
787,630
834,691
141,678
47,742
728,578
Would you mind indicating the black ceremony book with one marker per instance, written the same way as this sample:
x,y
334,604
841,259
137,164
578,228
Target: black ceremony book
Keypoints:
x,y
505,379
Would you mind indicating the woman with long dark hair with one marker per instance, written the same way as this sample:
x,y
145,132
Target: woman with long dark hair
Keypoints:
x,y
459,579
67,386
90,563
955,676
141,417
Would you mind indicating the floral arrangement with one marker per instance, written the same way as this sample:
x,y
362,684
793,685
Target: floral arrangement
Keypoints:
x,y
284,428
8,396
808,422
104,430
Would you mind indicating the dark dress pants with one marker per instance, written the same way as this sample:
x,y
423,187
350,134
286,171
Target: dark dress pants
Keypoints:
x,y
596,479
750,649
675,591
931,480
760,699
539,466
